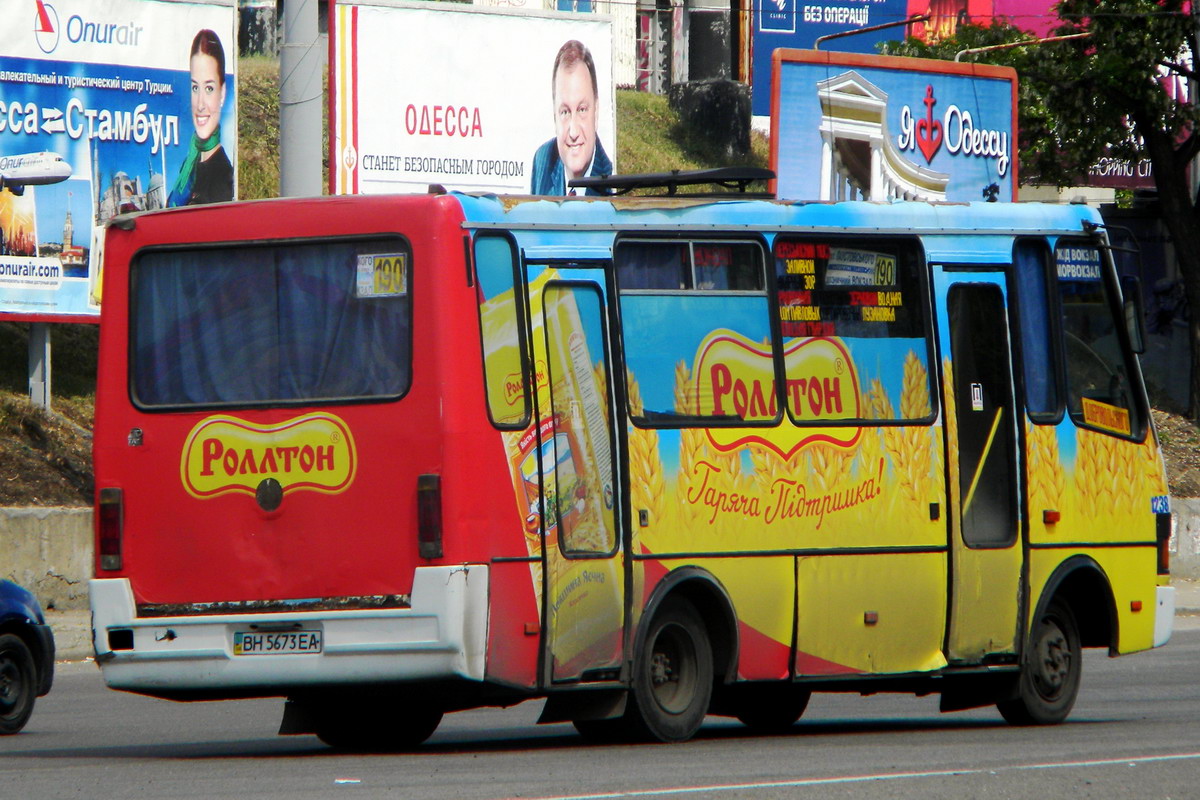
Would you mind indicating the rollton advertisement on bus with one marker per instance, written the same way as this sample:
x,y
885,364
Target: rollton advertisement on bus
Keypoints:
x,y
105,108
477,105
852,127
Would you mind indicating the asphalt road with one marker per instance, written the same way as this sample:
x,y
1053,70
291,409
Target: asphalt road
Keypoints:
x,y
1135,733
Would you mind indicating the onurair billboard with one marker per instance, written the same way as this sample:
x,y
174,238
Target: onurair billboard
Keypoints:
x,y
105,108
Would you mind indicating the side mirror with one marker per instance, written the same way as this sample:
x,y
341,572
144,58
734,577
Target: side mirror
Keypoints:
x,y
1135,318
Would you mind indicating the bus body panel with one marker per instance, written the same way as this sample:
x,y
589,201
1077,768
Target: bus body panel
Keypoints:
x,y
1135,601
514,626
871,614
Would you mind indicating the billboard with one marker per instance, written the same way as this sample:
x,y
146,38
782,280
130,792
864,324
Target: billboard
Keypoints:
x,y
469,116
848,126
98,117
797,24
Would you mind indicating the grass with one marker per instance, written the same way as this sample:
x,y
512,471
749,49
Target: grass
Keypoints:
x,y
258,127
651,139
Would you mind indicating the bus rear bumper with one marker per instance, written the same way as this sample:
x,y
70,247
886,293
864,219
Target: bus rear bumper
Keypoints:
x,y
442,635
1164,615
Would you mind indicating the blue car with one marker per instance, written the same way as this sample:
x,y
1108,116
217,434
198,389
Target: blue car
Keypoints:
x,y
26,656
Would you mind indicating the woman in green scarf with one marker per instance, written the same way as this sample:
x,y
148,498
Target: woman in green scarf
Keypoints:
x,y
207,174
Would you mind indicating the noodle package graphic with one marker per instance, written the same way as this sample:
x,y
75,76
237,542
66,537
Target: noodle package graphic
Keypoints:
x,y
562,468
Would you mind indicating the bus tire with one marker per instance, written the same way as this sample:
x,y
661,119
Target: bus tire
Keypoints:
x,y
18,683
604,731
673,675
1050,672
772,709
379,729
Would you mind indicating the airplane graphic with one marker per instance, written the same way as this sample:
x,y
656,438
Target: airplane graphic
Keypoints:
x,y
32,169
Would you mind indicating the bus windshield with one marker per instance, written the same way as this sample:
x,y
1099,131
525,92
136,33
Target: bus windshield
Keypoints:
x,y
285,323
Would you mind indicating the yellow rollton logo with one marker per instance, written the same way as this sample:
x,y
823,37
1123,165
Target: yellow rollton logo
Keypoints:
x,y
735,378
226,454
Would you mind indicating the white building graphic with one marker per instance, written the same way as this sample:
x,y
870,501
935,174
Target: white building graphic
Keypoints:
x,y
859,159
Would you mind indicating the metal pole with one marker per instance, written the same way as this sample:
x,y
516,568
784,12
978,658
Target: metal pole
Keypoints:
x,y
820,40
39,364
300,101
1026,43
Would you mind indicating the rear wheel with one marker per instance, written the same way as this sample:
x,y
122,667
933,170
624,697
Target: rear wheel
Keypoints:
x,y
18,683
1050,673
673,675
604,731
378,727
772,709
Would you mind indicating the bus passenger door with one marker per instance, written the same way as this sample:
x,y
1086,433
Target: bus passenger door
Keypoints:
x,y
981,426
584,604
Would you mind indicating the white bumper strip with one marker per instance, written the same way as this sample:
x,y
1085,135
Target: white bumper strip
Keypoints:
x,y
442,635
1164,615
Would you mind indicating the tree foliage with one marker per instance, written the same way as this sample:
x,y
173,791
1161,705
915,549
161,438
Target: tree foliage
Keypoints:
x,y
1117,92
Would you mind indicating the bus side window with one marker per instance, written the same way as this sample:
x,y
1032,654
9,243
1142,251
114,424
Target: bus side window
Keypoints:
x,y
696,327
853,316
1100,386
1031,275
654,265
504,364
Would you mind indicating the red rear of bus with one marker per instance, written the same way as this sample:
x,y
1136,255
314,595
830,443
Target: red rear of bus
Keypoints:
x,y
274,418
194,531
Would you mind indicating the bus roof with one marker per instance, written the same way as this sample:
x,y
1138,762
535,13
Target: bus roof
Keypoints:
x,y
680,213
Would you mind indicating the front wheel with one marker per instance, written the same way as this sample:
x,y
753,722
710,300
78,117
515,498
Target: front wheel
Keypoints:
x,y
18,684
673,675
1050,672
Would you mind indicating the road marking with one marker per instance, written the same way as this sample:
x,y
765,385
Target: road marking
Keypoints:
x,y
847,779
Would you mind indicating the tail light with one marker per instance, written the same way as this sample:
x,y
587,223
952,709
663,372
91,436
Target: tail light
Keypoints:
x,y
1163,531
110,508
429,516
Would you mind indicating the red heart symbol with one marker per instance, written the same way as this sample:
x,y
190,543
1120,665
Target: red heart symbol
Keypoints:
x,y
929,137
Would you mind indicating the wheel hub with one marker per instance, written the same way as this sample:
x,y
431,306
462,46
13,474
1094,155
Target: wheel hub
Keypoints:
x,y
9,685
670,672
660,669
1054,662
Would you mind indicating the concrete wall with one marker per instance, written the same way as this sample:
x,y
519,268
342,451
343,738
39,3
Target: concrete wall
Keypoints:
x,y
49,550
1185,537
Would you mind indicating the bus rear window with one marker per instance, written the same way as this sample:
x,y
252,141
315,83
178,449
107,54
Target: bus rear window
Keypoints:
x,y
265,324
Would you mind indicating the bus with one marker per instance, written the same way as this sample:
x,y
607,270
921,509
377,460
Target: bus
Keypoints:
x,y
644,458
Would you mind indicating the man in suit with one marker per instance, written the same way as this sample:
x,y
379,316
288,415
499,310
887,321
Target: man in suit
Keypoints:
x,y
575,151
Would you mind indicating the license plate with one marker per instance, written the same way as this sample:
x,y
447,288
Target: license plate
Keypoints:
x,y
275,643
